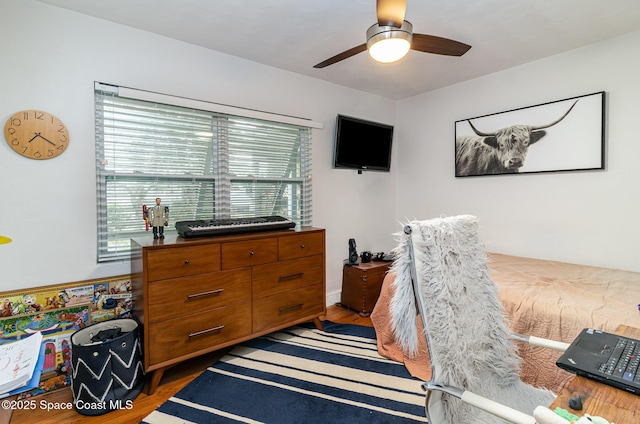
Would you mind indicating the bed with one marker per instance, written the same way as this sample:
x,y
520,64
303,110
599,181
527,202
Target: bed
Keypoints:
x,y
542,298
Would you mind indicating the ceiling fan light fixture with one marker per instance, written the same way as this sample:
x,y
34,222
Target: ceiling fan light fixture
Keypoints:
x,y
389,44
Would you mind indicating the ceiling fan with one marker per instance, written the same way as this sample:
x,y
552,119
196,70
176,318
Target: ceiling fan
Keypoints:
x,y
391,38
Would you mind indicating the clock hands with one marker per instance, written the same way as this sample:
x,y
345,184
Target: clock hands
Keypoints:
x,y
47,140
40,135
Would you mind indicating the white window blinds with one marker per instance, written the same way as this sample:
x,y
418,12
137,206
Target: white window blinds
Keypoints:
x,y
202,164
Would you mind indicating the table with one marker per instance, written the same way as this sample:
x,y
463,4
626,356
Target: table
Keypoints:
x,y
615,405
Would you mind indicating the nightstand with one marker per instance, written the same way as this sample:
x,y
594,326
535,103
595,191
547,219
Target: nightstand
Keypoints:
x,y
361,285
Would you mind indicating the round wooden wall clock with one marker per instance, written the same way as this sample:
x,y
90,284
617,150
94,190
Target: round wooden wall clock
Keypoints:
x,y
36,134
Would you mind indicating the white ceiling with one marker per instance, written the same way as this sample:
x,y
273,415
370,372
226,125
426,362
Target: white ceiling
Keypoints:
x,y
296,34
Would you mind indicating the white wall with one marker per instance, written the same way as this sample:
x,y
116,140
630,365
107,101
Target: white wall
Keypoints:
x,y
588,217
50,59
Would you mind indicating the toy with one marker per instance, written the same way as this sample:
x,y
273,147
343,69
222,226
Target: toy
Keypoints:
x,y
145,216
561,415
159,218
588,419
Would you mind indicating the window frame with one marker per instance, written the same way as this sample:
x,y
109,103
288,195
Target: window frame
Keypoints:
x,y
113,240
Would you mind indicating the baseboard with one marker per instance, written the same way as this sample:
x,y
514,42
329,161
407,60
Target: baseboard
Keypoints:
x,y
334,297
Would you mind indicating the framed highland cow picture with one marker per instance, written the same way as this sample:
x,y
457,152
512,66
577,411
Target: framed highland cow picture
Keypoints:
x,y
563,135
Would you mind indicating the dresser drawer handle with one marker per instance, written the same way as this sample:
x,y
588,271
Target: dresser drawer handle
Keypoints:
x,y
207,293
290,277
290,308
302,246
207,331
186,261
252,253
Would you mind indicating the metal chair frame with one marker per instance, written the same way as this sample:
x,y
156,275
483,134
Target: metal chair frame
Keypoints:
x,y
541,415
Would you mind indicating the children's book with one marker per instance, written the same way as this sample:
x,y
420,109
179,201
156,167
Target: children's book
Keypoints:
x,y
18,362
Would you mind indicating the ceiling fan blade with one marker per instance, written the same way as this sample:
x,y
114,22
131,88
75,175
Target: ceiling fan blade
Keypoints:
x,y
391,12
438,45
342,56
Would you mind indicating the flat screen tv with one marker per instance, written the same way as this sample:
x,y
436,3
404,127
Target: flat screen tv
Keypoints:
x,y
362,145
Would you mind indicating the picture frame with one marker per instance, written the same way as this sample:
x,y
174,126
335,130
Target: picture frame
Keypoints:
x,y
562,135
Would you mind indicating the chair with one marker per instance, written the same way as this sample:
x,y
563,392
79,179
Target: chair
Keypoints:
x,y
442,273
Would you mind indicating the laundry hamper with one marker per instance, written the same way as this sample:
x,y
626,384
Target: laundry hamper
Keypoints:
x,y
108,373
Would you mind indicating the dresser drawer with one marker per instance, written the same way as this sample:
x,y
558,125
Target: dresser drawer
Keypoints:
x,y
279,309
188,295
287,275
182,336
239,254
300,245
180,261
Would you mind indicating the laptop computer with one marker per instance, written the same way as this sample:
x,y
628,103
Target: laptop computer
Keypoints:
x,y
604,357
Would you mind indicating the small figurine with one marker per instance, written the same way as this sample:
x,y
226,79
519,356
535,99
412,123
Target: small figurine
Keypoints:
x,y
145,216
158,217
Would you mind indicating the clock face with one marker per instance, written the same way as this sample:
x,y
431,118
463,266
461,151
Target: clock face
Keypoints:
x,y
36,134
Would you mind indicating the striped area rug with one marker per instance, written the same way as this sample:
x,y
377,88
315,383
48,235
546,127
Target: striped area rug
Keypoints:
x,y
300,375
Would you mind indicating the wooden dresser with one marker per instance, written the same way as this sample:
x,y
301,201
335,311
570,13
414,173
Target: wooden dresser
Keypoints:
x,y
194,296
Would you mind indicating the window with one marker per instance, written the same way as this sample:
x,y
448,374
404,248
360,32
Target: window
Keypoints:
x,y
202,164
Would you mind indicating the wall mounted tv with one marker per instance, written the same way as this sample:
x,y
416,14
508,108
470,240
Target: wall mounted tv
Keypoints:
x,y
362,145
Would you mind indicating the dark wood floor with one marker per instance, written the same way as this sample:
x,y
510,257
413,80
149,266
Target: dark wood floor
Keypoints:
x,y
173,380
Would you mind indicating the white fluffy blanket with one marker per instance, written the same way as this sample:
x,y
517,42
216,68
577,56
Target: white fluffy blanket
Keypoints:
x,y
467,333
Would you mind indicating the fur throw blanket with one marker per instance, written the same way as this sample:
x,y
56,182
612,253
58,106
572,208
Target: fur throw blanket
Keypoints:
x,y
467,334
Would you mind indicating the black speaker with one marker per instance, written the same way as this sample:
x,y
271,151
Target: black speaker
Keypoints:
x,y
353,253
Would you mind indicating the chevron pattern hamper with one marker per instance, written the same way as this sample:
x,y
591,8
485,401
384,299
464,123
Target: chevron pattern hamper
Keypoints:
x,y
107,366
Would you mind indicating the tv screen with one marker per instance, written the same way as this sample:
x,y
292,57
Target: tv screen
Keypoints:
x,y
362,145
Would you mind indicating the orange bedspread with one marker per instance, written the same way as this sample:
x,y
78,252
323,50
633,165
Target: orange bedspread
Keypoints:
x,y
548,299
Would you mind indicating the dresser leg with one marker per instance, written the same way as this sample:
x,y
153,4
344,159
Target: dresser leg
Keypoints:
x,y
155,380
318,323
